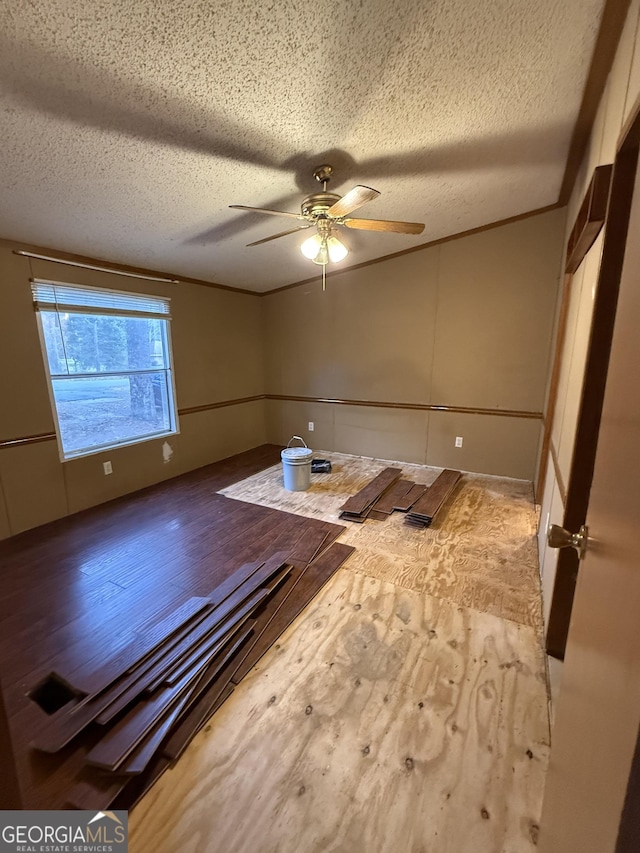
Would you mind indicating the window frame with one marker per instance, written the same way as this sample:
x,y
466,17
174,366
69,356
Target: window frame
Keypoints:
x,y
172,405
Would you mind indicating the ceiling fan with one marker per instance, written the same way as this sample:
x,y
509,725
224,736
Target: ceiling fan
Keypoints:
x,y
328,211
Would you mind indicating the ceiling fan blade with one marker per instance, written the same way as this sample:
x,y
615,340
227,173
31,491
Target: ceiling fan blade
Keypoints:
x,y
281,234
354,199
266,210
385,225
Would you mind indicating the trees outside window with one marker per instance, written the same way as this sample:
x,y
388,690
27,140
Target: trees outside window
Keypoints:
x,y
109,364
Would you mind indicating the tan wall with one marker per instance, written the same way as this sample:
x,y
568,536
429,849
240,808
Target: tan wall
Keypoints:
x,y
218,356
619,98
465,324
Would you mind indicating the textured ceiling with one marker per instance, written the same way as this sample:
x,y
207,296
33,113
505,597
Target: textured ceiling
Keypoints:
x,y
129,126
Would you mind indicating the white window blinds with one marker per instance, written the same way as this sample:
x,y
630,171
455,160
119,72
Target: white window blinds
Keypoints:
x,y
69,298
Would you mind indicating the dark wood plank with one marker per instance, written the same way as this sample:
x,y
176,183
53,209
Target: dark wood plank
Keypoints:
x,y
218,640
229,549
212,689
429,504
138,786
355,517
122,738
270,610
324,543
144,752
213,644
156,636
224,680
127,733
414,493
193,722
10,797
216,627
319,573
387,501
66,725
307,547
420,523
95,790
77,535
217,675
228,615
60,728
314,578
112,628
235,580
272,531
63,727
366,496
377,516
121,537
33,617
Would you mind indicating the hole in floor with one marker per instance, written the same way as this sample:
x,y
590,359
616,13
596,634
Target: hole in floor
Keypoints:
x,y
52,693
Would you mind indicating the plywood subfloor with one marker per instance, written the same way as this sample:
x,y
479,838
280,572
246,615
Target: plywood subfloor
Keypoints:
x,y
383,721
394,714
480,551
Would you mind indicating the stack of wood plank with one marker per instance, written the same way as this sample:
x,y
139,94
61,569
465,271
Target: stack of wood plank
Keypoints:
x,y
136,714
425,509
402,493
358,506
387,493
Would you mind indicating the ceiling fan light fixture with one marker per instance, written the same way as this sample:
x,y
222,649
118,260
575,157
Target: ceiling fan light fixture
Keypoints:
x,y
337,250
322,249
322,258
311,247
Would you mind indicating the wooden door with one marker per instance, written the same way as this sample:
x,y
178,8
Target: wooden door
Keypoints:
x,y
595,377
591,769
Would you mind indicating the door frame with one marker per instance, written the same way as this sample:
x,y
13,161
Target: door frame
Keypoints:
x,y
592,793
595,377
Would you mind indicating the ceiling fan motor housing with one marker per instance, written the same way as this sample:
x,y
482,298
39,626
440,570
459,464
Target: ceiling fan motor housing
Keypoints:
x,y
318,203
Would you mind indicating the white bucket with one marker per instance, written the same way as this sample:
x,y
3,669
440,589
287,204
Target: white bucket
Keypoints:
x,y
296,466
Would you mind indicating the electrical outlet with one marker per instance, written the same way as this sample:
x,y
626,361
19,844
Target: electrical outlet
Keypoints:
x,y
458,441
107,468
311,426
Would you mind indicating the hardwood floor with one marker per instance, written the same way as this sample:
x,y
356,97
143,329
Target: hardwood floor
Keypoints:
x,y
76,592
404,710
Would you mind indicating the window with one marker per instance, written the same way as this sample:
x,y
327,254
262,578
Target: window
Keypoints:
x,y
108,358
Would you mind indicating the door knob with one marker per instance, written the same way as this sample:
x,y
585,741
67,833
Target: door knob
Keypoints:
x,y
558,537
